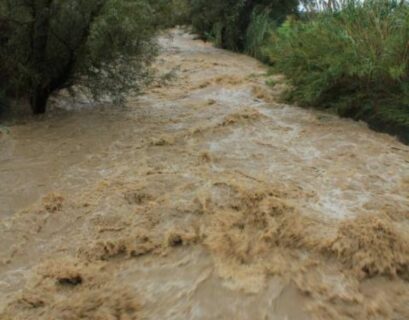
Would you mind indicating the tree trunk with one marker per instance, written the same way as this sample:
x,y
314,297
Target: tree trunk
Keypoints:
x,y
40,91
39,98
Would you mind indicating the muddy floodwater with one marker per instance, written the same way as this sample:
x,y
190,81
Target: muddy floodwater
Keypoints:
x,y
205,198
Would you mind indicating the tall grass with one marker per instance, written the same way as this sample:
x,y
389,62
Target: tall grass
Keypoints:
x,y
355,60
258,34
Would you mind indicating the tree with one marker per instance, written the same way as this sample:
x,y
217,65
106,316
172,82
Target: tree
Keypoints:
x,y
227,21
48,45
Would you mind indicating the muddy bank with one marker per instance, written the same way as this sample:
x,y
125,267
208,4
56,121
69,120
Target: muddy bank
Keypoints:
x,y
203,199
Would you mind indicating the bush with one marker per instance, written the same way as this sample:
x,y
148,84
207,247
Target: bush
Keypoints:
x,y
355,60
102,45
259,33
170,13
180,12
227,22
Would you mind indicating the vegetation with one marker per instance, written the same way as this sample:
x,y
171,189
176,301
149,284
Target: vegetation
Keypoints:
x,y
354,60
227,22
101,45
259,33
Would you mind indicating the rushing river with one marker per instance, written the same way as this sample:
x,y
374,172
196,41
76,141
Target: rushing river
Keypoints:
x,y
204,198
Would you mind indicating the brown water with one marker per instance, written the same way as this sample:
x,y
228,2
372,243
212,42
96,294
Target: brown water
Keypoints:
x,y
203,199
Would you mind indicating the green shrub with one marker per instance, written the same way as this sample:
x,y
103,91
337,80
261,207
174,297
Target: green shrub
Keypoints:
x,y
227,22
218,21
169,13
259,33
180,12
355,60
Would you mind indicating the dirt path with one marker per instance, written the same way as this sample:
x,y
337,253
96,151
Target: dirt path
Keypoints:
x,y
203,199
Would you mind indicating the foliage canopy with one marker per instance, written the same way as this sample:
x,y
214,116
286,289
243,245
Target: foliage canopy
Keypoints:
x,y
47,45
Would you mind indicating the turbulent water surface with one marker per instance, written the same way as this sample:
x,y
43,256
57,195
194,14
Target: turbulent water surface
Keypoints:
x,y
203,199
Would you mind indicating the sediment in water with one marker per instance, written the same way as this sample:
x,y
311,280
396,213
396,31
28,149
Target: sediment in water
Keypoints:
x,y
204,195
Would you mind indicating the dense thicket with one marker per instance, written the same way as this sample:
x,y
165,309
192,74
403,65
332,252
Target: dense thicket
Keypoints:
x,y
48,45
227,22
355,60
